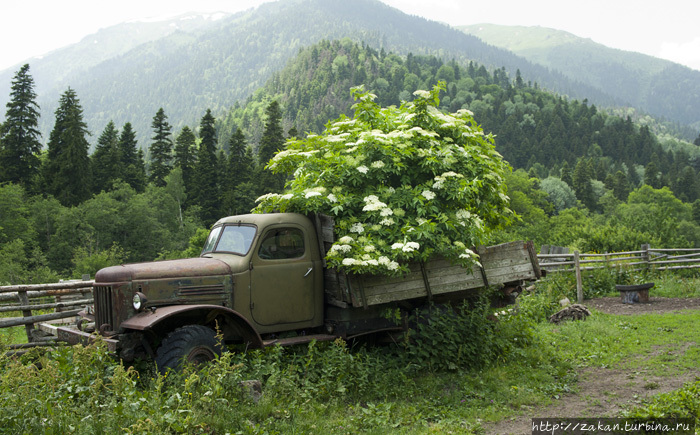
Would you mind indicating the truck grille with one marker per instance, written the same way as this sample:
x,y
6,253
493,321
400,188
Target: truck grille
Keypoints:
x,y
103,307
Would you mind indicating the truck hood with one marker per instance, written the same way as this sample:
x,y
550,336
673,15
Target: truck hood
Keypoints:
x,y
189,267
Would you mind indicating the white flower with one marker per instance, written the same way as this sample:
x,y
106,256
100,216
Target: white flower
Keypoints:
x,y
378,164
428,194
397,246
349,261
332,198
346,240
340,248
422,93
362,169
312,193
373,262
287,196
387,221
370,248
267,196
386,212
357,228
421,221
411,246
463,215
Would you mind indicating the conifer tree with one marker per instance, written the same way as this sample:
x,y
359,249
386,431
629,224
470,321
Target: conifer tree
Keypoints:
x,y
581,180
133,168
161,149
105,160
238,191
272,141
19,135
205,192
185,157
67,171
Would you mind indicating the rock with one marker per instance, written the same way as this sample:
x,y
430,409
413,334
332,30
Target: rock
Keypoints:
x,y
565,302
572,312
253,389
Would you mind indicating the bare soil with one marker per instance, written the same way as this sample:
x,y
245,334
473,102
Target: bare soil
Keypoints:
x,y
604,392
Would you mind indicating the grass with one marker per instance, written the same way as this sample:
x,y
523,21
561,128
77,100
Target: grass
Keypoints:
x,y
328,388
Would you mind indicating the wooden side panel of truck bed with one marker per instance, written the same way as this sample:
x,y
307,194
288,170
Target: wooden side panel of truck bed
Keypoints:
x,y
501,264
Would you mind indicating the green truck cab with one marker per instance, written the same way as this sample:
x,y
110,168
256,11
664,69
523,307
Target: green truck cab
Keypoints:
x,y
261,280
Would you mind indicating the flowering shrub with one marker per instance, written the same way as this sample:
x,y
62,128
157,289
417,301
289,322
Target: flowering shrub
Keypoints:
x,y
402,183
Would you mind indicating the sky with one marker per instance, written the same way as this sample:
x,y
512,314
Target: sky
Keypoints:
x,y
667,30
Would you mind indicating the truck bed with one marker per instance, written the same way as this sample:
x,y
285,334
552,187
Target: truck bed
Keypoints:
x,y
502,264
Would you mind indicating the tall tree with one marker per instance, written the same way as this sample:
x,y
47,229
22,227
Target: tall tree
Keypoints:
x,y
185,157
238,192
205,190
131,159
161,149
67,171
105,160
19,136
581,179
272,141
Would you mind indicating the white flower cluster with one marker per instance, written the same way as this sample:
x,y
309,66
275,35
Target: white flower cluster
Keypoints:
x,y
362,169
357,228
372,203
440,179
428,194
406,247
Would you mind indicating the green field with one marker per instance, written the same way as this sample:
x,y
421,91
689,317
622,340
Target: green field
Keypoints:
x,y
517,367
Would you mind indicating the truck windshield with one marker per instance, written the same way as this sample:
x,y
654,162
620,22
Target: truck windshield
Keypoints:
x,y
234,239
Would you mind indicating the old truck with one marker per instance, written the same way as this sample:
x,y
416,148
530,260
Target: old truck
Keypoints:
x,y
261,280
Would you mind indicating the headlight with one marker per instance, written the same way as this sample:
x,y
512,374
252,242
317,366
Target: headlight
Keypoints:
x,y
139,301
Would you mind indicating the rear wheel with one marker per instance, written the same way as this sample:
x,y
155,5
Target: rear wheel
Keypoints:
x,y
191,344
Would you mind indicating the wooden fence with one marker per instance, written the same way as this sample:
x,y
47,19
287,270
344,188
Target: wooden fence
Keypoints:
x,y
555,259
62,300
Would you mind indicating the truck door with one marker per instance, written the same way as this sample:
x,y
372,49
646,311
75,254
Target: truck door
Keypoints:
x,y
282,278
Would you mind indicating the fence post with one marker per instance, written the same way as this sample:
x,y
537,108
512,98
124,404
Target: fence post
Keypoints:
x,y
579,283
645,255
24,300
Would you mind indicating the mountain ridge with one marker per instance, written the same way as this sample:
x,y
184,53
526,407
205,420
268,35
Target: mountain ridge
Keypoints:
x,y
216,64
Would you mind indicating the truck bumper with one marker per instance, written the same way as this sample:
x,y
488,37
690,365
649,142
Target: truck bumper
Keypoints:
x,y
73,335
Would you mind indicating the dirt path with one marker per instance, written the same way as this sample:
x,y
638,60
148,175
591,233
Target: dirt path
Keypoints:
x,y
604,392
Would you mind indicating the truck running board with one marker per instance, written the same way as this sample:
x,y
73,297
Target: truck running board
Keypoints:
x,y
301,339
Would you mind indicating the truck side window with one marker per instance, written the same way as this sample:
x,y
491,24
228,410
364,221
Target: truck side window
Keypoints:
x,y
281,244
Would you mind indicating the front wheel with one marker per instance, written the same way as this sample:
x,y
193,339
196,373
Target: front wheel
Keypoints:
x,y
191,344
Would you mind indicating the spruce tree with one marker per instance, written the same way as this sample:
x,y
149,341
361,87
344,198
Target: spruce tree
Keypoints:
x,y
185,157
19,135
238,191
133,168
161,149
105,160
205,192
272,141
67,171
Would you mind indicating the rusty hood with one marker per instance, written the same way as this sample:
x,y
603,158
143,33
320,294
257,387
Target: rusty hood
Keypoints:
x,y
189,267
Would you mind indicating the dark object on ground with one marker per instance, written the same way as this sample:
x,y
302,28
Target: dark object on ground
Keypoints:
x,y
631,294
572,312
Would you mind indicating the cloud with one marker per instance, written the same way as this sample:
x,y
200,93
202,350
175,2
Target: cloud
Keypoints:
x,y
686,53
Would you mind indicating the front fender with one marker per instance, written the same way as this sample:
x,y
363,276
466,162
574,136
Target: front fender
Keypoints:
x,y
235,323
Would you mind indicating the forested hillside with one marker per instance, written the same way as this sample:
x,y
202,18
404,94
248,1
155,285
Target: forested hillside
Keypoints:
x,y
656,86
582,177
219,63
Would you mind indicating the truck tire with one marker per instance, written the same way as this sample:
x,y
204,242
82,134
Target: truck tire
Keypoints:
x,y
190,344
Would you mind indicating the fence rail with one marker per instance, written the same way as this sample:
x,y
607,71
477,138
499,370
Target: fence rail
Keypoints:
x,y
61,299
555,259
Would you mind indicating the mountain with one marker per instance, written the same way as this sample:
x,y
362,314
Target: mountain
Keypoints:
x,y
656,86
187,68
